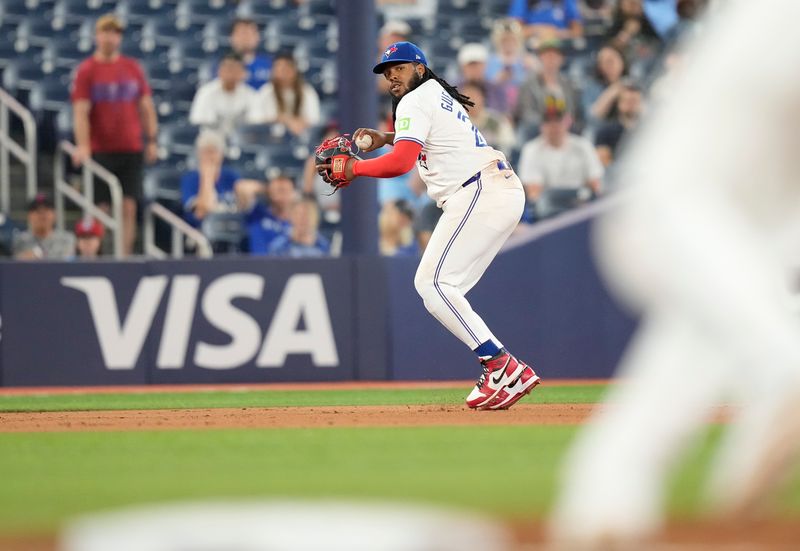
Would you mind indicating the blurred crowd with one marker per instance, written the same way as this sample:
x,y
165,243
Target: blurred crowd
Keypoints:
x,y
559,87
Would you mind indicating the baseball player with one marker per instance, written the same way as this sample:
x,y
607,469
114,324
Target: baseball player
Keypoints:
x,y
481,196
704,246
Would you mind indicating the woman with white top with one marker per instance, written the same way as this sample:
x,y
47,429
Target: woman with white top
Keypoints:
x,y
286,98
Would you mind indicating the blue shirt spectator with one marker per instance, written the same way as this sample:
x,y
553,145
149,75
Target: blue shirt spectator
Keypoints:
x,y
303,239
267,221
245,41
518,70
557,13
224,186
412,249
284,246
210,188
263,227
662,14
258,71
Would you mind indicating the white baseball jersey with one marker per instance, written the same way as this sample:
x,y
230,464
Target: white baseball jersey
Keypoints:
x,y
453,150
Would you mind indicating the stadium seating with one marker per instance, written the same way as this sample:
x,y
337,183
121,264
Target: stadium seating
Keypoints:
x,y
225,231
163,182
178,41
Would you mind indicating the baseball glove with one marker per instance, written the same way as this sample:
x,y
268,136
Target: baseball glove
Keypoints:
x,y
335,152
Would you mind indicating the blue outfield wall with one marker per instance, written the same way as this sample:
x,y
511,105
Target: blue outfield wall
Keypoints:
x,y
263,320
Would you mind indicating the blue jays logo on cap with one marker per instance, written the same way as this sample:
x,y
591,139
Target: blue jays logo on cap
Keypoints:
x,y
400,52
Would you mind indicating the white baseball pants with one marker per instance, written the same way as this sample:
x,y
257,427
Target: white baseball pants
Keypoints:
x,y
476,222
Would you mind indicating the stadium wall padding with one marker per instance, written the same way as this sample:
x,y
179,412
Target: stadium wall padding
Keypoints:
x,y
249,320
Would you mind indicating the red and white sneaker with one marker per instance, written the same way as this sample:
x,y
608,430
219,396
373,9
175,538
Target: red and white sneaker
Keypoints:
x,y
497,374
517,390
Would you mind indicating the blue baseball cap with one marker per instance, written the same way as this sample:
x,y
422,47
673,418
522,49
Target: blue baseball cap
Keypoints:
x,y
400,52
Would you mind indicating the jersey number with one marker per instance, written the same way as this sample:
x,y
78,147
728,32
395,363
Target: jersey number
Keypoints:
x,y
480,141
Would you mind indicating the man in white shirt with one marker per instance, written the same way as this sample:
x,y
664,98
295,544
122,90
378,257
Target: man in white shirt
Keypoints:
x,y
559,170
223,103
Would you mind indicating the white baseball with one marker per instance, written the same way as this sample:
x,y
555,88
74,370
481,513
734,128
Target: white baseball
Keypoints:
x,y
364,141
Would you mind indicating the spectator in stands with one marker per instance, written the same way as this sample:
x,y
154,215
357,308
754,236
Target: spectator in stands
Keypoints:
x,y
245,40
287,98
493,125
113,110
598,16
472,60
611,137
212,187
89,238
548,19
407,9
394,30
509,65
266,222
632,32
41,241
395,223
559,170
550,82
224,103
600,92
303,239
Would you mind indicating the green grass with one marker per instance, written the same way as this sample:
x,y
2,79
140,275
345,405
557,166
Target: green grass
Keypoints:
x,y
49,477
275,398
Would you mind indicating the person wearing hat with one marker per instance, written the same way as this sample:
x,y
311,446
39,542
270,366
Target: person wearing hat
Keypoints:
x,y
115,121
481,196
89,233
560,170
41,241
472,58
223,103
548,81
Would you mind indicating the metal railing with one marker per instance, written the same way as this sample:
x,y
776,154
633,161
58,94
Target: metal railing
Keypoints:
x,y
180,229
25,154
85,200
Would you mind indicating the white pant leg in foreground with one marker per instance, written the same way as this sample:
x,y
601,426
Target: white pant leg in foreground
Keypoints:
x,y
705,335
701,249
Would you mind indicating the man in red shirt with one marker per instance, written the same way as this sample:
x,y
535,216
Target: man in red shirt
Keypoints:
x,y
113,111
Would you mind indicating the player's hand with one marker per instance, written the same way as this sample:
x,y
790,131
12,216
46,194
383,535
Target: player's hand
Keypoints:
x,y
379,139
80,155
324,170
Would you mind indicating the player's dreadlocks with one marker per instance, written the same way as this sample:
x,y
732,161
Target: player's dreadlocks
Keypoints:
x,y
449,88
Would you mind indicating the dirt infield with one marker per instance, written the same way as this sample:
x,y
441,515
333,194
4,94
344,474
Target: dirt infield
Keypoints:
x,y
291,417
767,535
